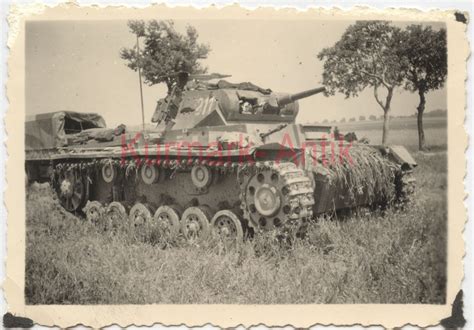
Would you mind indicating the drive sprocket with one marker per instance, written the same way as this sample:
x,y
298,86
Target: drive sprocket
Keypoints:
x,y
276,195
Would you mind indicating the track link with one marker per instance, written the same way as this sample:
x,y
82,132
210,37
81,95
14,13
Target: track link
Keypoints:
x,y
405,185
289,186
292,199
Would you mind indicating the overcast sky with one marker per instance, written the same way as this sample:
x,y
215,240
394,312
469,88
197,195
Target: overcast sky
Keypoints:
x,y
76,66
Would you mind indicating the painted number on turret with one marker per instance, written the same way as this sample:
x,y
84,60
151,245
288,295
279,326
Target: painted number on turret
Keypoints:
x,y
205,106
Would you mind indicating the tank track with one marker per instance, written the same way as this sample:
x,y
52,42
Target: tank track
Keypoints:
x,y
405,186
296,189
291,186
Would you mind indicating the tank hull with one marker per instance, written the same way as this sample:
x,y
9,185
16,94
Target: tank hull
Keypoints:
x,y
235,178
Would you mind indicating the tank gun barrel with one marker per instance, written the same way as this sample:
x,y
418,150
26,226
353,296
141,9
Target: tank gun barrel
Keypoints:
x,y
287,99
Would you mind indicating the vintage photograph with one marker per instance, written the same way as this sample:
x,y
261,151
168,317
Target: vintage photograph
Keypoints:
x,y
226,167
174,161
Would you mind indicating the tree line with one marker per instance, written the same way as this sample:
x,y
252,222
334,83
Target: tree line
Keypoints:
x,y
374,55
383,57
432,113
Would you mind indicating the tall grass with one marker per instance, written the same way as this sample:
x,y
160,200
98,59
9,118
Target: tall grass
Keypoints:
x,y
397,256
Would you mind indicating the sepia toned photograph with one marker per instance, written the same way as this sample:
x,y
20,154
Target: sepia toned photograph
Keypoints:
x,y
291,161
181,165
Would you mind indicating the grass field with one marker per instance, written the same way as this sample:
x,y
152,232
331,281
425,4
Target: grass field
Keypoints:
x,y
403,131
394,257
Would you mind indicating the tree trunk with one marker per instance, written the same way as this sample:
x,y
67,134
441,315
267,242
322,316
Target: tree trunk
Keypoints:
x,y
386,120
386,117
169,84
421,132
386,109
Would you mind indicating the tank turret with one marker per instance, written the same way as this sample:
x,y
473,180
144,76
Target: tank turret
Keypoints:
x,y
200,103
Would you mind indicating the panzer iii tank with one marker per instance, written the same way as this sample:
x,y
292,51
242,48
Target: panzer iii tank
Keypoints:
x,y
223,157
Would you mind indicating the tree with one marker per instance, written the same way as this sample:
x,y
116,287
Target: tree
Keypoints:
x,y
425,52
352,119
165,51
343,120
366,56
372,117
361,118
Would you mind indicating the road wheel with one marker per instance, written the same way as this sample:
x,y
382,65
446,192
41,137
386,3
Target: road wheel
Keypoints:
x,y
166,219
116,215
94,212
140,215
195,222
227,226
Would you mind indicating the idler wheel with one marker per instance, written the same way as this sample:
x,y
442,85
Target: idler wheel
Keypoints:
x,y
150,174
94,211
73,192
139,215
115,214
228,226
167,220
108,172
201,176
195,222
